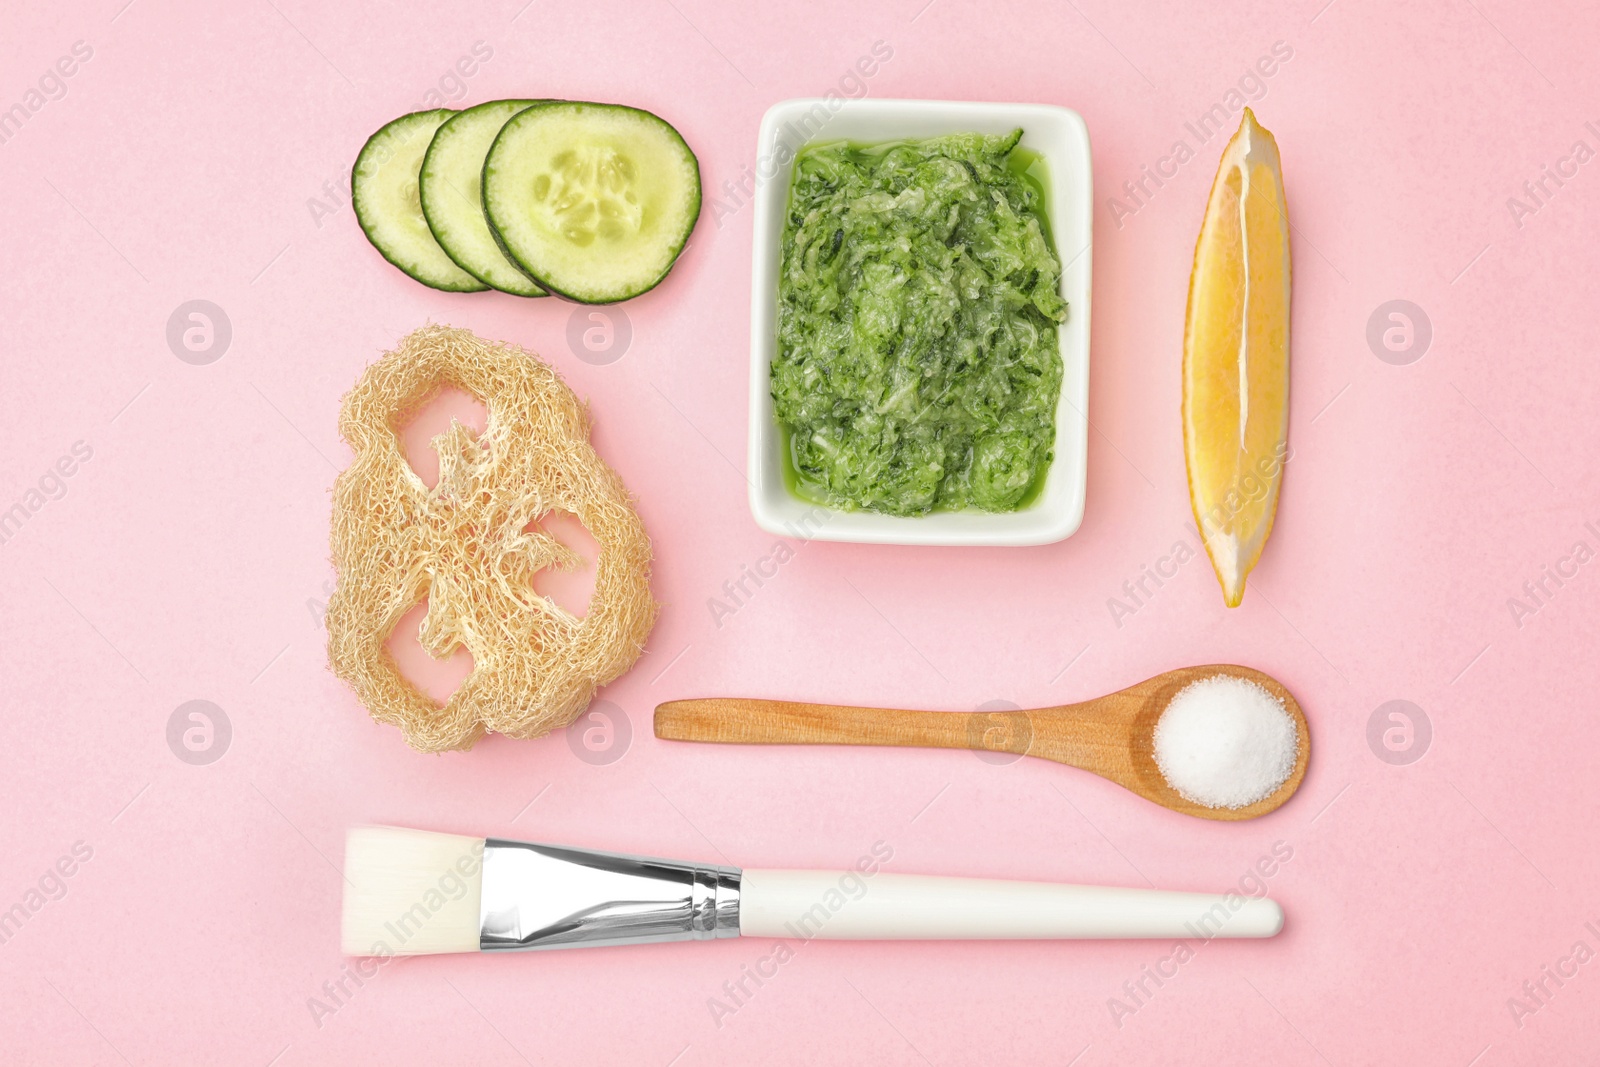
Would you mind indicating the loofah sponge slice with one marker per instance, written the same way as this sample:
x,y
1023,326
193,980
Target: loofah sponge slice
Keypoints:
x,y
467,546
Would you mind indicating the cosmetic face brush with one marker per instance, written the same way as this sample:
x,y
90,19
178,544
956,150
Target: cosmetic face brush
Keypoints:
x,y
411,892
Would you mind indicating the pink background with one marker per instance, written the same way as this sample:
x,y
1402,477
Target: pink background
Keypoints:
x,y
188,555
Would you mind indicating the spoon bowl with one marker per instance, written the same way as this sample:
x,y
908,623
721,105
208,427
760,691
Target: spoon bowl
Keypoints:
x,y
1112,736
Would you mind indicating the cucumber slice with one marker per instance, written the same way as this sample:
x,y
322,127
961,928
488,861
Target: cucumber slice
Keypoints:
x,y
451,186
594,201
383,188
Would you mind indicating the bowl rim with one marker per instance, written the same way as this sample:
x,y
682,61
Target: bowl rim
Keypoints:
x,y
1060,135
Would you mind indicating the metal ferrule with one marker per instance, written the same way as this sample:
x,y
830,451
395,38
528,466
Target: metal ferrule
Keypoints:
x,y
547,896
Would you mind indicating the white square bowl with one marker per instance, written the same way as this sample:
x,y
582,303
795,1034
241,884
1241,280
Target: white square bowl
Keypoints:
x,y
1057,134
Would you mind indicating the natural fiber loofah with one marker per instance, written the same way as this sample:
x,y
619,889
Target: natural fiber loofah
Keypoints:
x,y
465,546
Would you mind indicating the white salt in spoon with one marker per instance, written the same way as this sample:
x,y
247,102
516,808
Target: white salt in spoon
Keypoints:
x,y
1235,754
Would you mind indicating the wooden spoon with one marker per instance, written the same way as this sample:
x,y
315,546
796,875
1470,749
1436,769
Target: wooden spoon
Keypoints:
x,y
1111,735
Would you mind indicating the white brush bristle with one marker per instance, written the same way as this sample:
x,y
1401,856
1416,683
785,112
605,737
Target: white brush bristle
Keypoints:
x,y
410,892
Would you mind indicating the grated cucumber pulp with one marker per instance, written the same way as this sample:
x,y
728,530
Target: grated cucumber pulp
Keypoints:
x,y
917,366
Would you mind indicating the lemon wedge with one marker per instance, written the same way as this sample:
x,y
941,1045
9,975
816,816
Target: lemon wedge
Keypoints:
x,y
1236,357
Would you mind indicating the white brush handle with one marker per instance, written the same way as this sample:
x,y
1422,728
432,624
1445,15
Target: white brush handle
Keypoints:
x,y
851,906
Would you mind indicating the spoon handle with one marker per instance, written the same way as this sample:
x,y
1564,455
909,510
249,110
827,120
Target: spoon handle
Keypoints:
x,y
785,722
